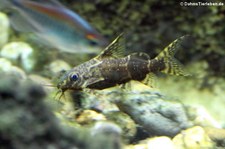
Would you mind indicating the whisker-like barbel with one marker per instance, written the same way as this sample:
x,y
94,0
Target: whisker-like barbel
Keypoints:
x,y
48,85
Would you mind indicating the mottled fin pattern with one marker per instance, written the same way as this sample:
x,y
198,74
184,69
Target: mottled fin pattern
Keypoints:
x,y
115,49
172,66
150,80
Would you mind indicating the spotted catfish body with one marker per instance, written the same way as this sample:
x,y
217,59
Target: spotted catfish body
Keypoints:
x,y
111,67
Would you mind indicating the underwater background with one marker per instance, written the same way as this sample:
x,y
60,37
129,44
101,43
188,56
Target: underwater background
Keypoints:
x,y
180,112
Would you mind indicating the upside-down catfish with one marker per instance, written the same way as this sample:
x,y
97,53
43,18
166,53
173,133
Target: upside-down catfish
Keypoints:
x,y
111,67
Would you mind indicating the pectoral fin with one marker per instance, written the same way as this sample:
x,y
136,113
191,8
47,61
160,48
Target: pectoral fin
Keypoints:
x,y
91,81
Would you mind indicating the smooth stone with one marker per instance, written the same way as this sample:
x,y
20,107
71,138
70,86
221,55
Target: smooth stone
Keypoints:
x,y
203,117
156,115
216,134
19,52
4,29
18,72
193,138
7,67
136,146
90,116
160,143
58,65
109,130
154,143
125,122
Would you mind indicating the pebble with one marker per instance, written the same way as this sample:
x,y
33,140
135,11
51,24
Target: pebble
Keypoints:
x,y
4,29
109,130
193,138
106,128
202,117
7,67
58,65
160,143
90,116
125,122
19,53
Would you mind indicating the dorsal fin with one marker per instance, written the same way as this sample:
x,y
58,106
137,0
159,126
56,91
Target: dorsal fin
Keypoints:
x,y
55,3
150,80
141,55
115,49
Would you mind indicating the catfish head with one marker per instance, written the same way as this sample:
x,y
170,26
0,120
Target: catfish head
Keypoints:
x,y
71,80
80,77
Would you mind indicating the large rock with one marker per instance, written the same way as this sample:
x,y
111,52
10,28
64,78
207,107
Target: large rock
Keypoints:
x,y
152,111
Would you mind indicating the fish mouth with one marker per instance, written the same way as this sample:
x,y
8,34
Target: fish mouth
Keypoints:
x,y
62,87
65,88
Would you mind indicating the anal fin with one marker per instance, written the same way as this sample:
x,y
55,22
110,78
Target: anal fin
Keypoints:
x,y
150,80
126,86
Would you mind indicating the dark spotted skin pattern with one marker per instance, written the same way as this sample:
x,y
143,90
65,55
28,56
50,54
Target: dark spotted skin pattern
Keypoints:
x,y
119,71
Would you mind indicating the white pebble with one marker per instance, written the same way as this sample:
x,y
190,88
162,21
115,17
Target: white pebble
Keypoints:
x,y
7,67
58,65
160,143
4,29
19,52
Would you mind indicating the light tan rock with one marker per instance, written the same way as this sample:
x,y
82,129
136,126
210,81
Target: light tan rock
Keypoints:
x,y
89,116
193,138
160,143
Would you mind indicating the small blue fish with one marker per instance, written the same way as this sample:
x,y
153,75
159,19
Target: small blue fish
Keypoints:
x,y
55,25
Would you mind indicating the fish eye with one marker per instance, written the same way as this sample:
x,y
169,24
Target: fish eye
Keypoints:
x,y
74,77
92,39
93,43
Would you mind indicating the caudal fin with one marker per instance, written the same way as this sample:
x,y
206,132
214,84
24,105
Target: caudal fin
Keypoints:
x,y
172,66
